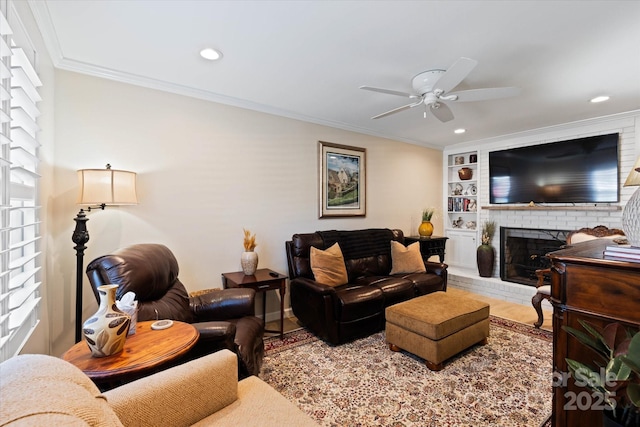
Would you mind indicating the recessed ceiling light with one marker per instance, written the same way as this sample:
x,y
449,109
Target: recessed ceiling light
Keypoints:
x,y
459,131
599,99
210,54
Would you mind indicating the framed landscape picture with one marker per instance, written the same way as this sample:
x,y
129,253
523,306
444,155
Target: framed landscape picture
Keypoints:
x,y
342,176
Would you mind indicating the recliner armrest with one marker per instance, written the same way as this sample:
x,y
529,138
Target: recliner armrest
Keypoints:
x,y
223,304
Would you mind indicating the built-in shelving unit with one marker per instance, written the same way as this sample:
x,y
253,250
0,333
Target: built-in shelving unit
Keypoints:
x,y
461,204
462,192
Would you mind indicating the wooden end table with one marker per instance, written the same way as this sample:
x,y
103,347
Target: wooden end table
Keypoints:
x,y
144,352
262,281
433,245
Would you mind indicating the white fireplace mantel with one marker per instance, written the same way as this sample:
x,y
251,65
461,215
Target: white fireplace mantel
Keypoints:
x,y
550,208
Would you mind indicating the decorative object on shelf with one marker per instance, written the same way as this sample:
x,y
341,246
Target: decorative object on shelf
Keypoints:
x,y
471,225
106,331
617,380
473,158
249,258
631,213
457,189
473,205
465,173
457,223
426,228
486,254
98,188
459,160
472,189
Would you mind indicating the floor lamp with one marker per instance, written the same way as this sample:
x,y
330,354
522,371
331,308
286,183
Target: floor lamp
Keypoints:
x,y
99,188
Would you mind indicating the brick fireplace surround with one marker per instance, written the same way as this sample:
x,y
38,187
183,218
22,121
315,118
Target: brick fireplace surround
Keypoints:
x,y
540,217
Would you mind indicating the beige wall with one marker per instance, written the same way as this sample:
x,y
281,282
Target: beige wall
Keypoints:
x,y
205,171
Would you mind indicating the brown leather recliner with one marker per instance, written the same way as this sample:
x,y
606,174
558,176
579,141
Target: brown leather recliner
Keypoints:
x,y
224,318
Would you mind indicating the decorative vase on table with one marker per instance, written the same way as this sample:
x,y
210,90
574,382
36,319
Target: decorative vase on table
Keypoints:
x,y
249,262
106,331
425,229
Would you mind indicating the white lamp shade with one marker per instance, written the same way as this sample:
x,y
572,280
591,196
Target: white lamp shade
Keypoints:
x,y
634,176
108,186
631,213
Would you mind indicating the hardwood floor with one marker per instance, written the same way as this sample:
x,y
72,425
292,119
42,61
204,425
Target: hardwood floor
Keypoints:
x,y
499,308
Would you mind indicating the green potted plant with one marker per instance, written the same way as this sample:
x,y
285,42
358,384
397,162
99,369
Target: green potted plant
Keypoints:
x,y
426,227
616,380
486,254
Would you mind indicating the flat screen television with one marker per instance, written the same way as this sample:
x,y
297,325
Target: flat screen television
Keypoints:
x,y
583,170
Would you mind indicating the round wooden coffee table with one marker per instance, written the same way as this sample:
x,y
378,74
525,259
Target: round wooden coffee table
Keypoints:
x,y
144,352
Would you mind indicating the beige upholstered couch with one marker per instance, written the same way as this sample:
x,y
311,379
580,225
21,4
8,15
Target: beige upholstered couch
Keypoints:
x,y
39,390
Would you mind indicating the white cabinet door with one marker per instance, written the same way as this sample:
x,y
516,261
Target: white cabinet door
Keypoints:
x,y
461,249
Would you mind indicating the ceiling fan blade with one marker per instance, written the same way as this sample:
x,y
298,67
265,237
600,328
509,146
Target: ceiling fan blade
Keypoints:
x,y
390,92
397,110
455,74
485,94
441,111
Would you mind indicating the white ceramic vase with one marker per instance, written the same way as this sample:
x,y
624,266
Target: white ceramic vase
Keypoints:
x,y
249,262
106,331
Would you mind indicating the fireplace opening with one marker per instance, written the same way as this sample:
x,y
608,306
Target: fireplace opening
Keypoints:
x,y
523,251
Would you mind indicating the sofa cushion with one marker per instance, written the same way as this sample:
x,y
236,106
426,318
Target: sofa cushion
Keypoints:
x,y
395,289
358,302
328,266
406,259
424,283
40,390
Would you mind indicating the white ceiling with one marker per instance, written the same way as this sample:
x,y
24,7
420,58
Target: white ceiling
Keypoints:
x,y
306,59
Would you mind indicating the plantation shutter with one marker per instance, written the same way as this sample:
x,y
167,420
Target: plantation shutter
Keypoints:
x,y
19,211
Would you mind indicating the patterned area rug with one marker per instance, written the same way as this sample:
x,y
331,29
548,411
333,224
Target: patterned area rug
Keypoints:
x,y
506,382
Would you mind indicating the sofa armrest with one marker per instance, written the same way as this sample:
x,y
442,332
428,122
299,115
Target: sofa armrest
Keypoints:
x,y
223,304
182,395
312,286
437,268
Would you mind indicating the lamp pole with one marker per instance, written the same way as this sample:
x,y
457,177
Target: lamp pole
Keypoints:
x,y
80,238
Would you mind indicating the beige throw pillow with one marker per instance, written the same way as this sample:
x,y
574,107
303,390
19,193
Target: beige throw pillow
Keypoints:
x,y
406,259
328,266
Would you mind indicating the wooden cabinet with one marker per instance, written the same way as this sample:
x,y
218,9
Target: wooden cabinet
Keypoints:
x,y
429,246
585,286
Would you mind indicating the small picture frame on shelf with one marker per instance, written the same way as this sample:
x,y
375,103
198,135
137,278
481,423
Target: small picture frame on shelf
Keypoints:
x,y
459,160
473,158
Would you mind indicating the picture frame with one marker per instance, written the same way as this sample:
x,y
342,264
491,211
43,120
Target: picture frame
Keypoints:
x,y
342,180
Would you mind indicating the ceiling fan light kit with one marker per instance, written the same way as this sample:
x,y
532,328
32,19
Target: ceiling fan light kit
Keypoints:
x,y
432,89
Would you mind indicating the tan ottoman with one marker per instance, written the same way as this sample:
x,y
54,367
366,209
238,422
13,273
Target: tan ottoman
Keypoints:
x,y
436,326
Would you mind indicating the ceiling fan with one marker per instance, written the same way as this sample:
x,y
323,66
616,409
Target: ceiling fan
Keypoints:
x,y
432,89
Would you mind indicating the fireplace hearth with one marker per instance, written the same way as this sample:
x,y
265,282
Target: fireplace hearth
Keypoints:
x,y
523,251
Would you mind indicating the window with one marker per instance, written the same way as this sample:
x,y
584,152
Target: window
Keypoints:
x,y
19,184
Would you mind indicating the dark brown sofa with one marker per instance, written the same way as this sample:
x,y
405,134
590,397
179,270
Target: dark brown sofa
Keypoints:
x,y
356,309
